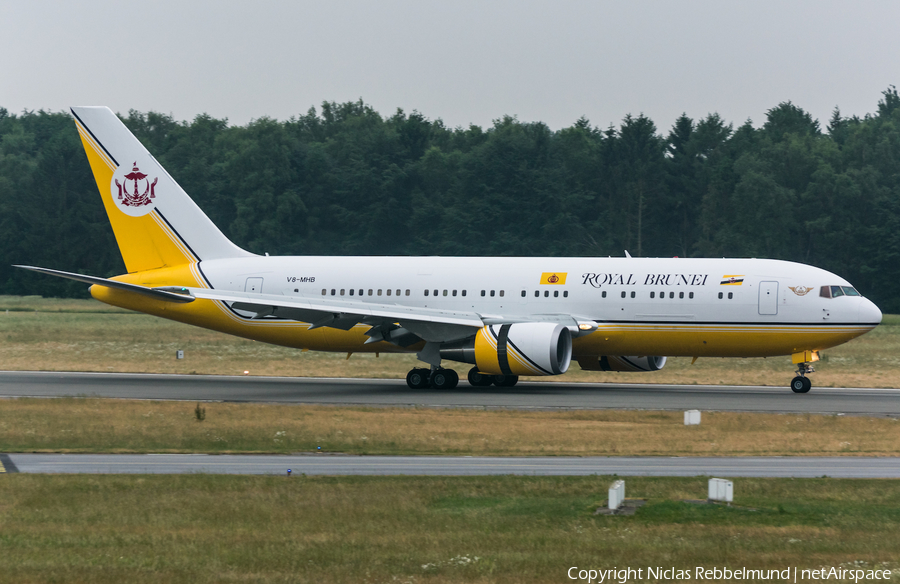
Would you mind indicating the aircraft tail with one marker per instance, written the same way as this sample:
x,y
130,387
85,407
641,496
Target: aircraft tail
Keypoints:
x,y
155,222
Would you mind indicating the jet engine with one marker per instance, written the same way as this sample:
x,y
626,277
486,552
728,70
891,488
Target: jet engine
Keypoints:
x,y
527,348
619,363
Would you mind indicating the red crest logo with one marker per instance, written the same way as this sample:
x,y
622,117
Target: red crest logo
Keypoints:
x,y
130,193
553,279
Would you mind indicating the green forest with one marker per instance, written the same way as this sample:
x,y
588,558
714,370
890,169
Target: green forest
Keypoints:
x,y
345,180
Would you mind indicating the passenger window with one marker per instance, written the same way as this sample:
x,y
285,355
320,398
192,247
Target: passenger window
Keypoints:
x,y
426,292
546,293
370,291
360,291
653,295
388,291
566,294
690,295
296,289
602,294
537,294
720,295
324,291
556,293
662,295
492,293
730,295
379,291
454,292
681,295
482,292
351,291
398,292
464,292
332,291
633,294
342,291
523,293
672,294
836,291
445,292
407,292
623,293
435,292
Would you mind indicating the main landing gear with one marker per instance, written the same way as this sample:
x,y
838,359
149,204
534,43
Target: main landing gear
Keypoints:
x,y
440,378
437,378
801,383
477,379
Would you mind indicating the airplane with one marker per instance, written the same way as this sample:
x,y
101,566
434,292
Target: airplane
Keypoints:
x,y
505,316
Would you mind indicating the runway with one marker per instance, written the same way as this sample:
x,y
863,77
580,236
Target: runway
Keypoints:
x,y
836,467
387,392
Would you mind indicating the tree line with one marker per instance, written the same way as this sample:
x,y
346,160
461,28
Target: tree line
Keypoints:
x,y
344,180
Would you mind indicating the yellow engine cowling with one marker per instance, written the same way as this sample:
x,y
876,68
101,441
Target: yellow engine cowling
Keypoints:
x,y
528,348
619,363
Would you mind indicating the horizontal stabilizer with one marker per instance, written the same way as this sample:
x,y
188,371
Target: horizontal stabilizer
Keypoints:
x,y
173,294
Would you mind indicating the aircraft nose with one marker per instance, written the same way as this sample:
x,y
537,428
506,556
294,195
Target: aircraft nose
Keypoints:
x,y
868,312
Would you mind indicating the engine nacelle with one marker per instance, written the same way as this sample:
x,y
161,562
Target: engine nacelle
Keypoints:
x,y
612,363
527,348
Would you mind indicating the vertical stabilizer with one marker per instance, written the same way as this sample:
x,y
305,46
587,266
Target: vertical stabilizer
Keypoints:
x,y
155,222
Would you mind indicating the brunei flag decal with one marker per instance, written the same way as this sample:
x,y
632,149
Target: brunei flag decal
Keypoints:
x,y
558,278
732,280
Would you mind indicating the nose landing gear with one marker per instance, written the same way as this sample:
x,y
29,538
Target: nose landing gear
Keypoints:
x,y
801,383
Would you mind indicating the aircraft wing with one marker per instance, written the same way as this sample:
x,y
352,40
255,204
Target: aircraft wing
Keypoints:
x,y
430,324
394,323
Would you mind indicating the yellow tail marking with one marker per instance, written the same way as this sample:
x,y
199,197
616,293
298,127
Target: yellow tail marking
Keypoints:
x,y
146,243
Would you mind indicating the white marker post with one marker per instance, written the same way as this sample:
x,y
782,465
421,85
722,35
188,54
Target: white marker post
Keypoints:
x,y
692,418
616,495
721,490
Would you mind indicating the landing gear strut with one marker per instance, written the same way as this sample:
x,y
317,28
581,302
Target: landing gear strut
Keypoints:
x,y
438,378
801,383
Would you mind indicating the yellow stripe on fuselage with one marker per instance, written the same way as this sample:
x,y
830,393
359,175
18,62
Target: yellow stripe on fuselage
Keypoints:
x,y
694,339
713,340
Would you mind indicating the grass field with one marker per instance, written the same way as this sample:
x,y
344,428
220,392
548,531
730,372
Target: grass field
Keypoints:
x,y
84,335
106,425
214,528
206,528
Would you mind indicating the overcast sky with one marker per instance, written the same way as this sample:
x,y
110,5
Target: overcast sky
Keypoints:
x,y
464,62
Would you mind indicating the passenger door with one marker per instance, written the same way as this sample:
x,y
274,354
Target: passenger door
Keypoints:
x,y
768,298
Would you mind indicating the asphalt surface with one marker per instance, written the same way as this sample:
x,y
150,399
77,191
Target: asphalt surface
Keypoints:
x,y
384,392
837,467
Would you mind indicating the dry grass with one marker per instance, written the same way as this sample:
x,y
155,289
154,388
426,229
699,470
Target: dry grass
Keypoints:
x,y
205,528
106,425
85,335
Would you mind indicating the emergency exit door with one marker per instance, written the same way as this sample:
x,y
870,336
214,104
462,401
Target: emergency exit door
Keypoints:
x,y
768,297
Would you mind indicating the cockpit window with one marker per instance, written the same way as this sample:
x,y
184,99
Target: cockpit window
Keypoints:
x,y
835,291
